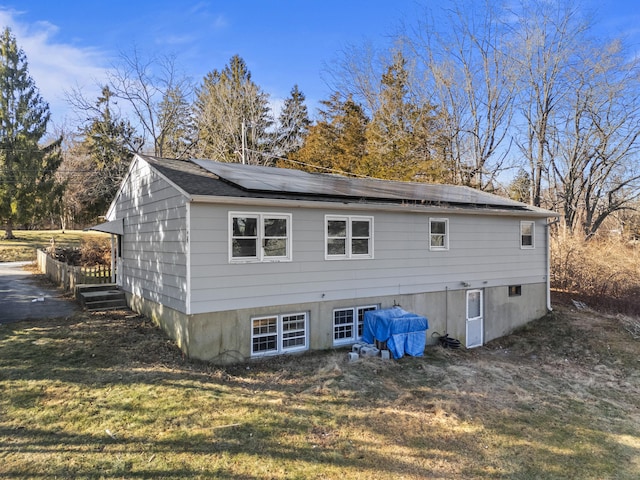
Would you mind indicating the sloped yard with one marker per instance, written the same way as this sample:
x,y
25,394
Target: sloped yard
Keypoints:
x,y
106,395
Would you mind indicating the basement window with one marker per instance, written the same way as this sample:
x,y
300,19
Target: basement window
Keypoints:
x,y
348,324
279,334
515,290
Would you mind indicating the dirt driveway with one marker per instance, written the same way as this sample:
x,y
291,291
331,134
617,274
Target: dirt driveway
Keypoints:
x,y
22,297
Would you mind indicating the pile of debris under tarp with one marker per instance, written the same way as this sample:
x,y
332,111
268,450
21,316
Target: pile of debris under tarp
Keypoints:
x,y
391,332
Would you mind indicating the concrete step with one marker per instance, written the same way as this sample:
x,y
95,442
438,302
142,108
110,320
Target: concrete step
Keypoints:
x,y
94,287
102,305
101,297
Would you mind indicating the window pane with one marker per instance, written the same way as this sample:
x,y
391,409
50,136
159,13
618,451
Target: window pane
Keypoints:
x,y
275,227
360,246
293,328
343,324
290,322
526,228
340,317
360,228
438,227
265,344
527,240
336,246
244,247
437,240
473,304
265,325
275,247
245,227
337,228
293,341
361,312
265,337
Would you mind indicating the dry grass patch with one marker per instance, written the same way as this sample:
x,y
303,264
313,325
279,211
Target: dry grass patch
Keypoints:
x,y
106,395
602,271
24,246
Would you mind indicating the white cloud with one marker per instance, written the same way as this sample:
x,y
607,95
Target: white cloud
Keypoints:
x,y
220,22
56,67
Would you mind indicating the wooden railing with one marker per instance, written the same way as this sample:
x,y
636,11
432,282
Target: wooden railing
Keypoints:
x,y
68,276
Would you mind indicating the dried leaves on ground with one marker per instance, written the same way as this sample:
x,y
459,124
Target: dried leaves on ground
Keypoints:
x,y
108,395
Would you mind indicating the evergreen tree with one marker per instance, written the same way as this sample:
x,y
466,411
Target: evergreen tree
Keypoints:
x,y
520,187
27,184
232,116
177,125
337,141
103,153
402,134
293,124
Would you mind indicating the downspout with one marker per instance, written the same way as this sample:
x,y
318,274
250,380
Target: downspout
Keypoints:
x,y
548,255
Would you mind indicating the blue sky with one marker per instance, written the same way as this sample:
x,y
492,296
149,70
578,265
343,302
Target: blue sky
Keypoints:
x,y
284,42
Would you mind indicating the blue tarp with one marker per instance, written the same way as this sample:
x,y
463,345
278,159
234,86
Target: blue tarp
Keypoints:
x,y
403,331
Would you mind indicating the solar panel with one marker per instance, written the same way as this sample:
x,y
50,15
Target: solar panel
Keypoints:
x,y
270,179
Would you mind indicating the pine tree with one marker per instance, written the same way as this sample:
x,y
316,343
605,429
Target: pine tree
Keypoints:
x,y
520,187
337,141
177,125
27,184
293,124
232,116
402,134
106,152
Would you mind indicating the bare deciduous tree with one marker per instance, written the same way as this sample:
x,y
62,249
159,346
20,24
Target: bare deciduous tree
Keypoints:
x,y
593,143
154,99
471,79
157,95
546,40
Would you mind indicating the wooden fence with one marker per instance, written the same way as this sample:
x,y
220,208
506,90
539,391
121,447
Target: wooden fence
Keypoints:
x,y
68,276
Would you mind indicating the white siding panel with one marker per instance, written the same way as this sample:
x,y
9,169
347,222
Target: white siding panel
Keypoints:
x,y
155,241
484,251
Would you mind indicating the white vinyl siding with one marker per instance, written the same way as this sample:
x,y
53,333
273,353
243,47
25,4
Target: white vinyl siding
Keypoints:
x,y
527,234
483,250
348,324
279,334
348,237
259,237
438,234
154,246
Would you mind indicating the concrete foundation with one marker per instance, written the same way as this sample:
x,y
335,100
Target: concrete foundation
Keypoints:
x,y
225,337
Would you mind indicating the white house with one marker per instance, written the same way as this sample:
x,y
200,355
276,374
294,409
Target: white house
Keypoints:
x,y
236,261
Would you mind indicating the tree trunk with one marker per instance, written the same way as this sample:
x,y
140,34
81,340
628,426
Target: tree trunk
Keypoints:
x,y
8,231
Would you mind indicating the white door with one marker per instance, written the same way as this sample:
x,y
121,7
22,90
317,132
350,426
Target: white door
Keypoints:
x,y
475,319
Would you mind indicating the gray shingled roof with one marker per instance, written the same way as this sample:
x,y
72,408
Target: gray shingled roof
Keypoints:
x,y
210,178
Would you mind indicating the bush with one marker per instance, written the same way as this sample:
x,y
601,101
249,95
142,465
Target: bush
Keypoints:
x,y
603,272
95,251
92,251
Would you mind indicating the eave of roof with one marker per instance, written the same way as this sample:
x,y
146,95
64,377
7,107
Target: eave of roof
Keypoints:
x,y
203,186
533,212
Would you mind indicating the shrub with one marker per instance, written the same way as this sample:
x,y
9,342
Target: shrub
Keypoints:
x,y
95,251
601,271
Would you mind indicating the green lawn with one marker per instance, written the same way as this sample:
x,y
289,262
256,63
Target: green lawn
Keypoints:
x,y
24,246
108,396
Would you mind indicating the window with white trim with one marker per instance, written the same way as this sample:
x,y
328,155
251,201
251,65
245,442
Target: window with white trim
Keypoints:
x,y
527,230
279,334
259,237
348,237
348,324
438,234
